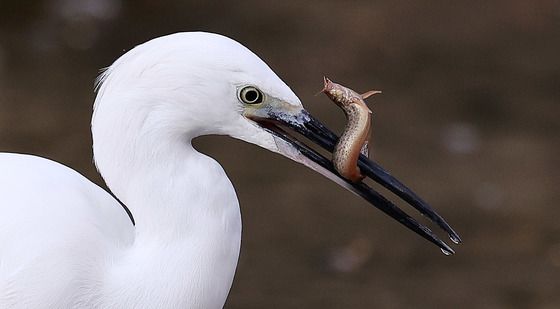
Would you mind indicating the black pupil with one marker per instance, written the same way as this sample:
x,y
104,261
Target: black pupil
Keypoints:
x,y
251,96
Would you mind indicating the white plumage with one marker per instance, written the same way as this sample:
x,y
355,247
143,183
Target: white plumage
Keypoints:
x,y
65,242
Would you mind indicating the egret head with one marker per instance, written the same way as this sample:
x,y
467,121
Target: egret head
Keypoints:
x,y
175,88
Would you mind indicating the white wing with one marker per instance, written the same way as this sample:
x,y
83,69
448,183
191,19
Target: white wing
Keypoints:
x,y
57,231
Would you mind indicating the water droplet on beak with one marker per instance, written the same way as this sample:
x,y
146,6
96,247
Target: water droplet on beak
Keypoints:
x,y
456,240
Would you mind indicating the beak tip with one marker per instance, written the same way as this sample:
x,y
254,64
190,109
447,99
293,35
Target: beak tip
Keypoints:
x,y
455,238
447,251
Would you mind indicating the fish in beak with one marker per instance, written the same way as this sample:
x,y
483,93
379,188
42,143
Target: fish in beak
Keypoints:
x,y
283,120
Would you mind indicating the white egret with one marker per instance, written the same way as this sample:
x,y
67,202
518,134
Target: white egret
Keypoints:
x,y
67,243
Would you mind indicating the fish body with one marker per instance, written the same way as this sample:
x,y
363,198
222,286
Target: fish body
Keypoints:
x,y
357,132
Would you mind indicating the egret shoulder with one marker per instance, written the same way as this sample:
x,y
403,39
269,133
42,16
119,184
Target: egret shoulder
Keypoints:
x,y
54,222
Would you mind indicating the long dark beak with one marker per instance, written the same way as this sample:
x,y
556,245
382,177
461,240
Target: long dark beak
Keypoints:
x,y
312,129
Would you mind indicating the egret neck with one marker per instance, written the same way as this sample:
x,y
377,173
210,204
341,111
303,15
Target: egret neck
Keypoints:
x,y
188,223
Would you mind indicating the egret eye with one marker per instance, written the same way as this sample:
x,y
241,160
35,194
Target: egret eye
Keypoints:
x,y
251,95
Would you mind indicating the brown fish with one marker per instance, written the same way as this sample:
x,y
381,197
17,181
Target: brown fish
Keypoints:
x,y
355,138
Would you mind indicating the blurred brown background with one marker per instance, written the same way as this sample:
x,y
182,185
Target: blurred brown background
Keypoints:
x,y
469,119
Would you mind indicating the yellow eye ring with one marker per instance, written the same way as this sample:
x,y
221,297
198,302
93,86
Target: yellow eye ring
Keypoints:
x,y
251,95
